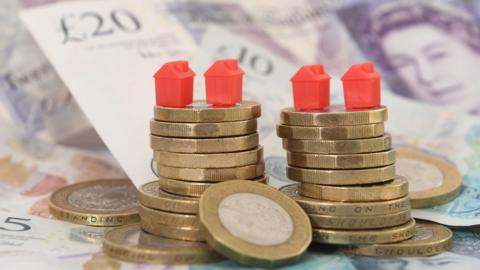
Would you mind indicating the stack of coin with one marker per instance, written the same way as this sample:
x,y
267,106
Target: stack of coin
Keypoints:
x,y
345,166
194,148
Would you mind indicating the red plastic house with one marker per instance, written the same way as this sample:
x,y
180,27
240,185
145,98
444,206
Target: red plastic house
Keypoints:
x,y
311,89
361,87
174,84
223,83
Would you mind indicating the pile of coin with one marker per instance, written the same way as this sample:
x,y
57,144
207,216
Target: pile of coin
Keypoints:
x,y
194,148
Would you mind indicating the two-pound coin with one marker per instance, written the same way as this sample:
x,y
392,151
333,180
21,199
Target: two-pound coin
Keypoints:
x,y
362,193
131,244
254,224
429,239
105,202
200,111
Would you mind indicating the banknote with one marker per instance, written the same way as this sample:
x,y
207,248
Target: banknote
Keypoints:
x,y
30,170
115,47
31,94
438,65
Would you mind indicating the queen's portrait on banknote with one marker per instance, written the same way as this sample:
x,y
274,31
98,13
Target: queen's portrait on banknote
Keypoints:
x,y
438,65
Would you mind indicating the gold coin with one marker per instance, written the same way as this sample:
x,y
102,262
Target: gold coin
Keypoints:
x,y
168,218
314,206
360,222
200,111
336,116
432,180
330,133
354,146
217,160
212,174
342,177
152,196
130,243
254,224
179,233
429,239
368,236
362,193
213,145
193,189
105,202
341,161
203,130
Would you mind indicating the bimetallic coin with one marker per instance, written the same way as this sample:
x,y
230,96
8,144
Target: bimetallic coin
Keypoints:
x,y
341,161
217,160
330,133
429,239
360,222
342,177
168,218
180,233
106,202
314,206
354,146
200,111
254,224
335,116
375,192
203,130
212,174
152,196
368,236
204,145
130,243
194,189
432,180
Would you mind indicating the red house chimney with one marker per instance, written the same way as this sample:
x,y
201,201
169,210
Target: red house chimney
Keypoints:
x,y
361,87
223,83
311,89
174,84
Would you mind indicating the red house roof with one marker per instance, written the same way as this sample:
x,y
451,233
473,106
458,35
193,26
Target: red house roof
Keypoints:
x,y
224,68
174,70
364,71
310,73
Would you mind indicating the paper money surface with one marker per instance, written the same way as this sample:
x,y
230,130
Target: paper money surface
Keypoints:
x,y
32,96
107,52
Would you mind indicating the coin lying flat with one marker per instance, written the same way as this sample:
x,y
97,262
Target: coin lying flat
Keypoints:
x,y
200,111
368,236
152,196
333,208
204,145
131,244
254,224
168,218
212,174
432,180
203,130
429,239
194,189
106,202
353,146
180,233
342,177
341,161
360,222
335,116
217,160
330,133
375,192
